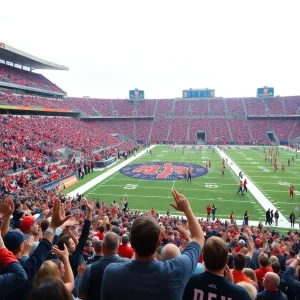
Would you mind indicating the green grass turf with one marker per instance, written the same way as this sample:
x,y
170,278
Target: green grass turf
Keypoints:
x,y
274,185
208,189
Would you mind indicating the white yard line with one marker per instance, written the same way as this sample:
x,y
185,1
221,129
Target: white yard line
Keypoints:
x,y
144,196
260,197
82,189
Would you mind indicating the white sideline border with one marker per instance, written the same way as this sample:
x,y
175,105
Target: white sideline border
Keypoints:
x,y
258,195
82,189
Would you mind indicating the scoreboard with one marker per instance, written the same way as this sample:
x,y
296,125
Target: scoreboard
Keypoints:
x,y
136,94
198,93
265,92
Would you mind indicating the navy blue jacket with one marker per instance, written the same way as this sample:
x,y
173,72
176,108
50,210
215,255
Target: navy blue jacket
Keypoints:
x,y
13,276
291,282
31,266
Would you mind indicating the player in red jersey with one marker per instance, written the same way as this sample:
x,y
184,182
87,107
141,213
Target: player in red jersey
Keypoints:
x,y
245,185
275,167
152,211
223,171
265,158
283,168
209,163
292,191
208,211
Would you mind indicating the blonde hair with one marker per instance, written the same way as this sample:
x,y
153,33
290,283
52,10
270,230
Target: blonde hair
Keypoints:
x,y
273,259
250,288
47,269
250,273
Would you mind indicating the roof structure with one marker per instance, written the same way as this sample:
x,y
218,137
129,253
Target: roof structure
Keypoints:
x,y
16,56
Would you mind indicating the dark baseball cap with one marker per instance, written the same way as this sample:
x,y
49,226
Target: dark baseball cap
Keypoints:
x,y
14,239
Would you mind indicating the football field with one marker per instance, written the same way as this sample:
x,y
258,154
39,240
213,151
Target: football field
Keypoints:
x,y
157,170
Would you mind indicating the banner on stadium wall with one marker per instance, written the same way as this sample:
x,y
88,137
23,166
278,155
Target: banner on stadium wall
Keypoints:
x,y
69,181
51,185
37,108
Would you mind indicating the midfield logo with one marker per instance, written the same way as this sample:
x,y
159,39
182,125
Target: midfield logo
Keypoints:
x,y
162,170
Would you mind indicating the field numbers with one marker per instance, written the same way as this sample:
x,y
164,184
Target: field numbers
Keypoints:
x,y
211,185
130,186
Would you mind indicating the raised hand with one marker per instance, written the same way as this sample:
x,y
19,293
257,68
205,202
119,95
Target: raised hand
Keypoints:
x,y
62,254
81,268
57,220
6,206
28,245
71,222
184,233
228,275
182,204
90,205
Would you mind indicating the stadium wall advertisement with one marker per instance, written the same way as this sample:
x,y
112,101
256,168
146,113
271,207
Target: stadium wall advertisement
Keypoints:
x,y
69,180
12,107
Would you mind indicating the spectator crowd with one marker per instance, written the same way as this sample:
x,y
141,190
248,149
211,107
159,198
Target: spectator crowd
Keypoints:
x,y
57,247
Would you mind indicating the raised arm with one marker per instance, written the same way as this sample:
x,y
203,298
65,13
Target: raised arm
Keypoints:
x,y
183,205
64,256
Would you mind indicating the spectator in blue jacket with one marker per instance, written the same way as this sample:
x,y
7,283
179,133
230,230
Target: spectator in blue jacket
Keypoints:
x,y
37,258
292,283
13,276
145,277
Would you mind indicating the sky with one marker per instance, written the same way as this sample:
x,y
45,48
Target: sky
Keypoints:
x,y
160,46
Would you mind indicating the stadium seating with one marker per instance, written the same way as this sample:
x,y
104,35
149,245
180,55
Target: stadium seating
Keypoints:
x,y
255,106
217,107
146,108
291,104
275,106
124,107
181,107
164,106
84,105
220,129
296,130
197,125
32,139
26,78
179,130
235,107
34,101
127,127
103,106
160,130
199,107
240,131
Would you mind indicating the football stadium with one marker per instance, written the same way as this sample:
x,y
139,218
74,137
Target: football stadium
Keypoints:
x,y
145,198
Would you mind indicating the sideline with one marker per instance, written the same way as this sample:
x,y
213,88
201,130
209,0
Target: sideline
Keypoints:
x,y
260,197
82,189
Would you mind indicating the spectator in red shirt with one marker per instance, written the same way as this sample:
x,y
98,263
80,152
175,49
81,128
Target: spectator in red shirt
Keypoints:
x,y
124,249
264,268
100,234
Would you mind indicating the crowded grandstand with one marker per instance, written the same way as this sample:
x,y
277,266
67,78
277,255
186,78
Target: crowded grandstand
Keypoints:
x,y
61,243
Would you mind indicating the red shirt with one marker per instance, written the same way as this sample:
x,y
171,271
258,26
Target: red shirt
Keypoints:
x,y
261,272
125,251
208,209
99,235
292,189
